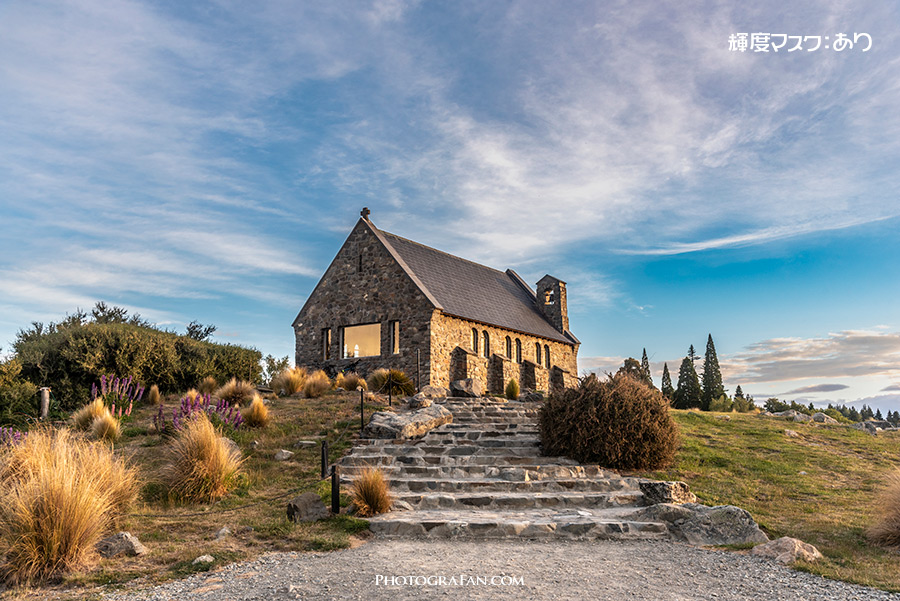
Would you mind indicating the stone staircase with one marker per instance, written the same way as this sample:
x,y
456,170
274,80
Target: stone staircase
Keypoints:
x,y
484,476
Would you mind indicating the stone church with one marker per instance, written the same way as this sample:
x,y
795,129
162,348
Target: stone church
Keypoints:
x,y
386,301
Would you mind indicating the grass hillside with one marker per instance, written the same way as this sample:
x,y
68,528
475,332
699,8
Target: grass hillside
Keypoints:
x,y
819,486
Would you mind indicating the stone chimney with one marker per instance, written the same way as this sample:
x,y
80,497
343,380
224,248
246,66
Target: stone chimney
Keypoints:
x,y
551,300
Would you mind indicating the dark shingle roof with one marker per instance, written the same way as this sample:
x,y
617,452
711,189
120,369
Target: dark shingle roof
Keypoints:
x,y
466,289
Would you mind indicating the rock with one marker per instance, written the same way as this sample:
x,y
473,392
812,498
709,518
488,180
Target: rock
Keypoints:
x,y
866,427
399,505
722,525
823,418
117,544
433,392
283,455
666,492
254,444
531,396
305,444
203,559
308,507
765,414
787,550
419,401
671,514
791,434
469,388
387,425
223,533
802,417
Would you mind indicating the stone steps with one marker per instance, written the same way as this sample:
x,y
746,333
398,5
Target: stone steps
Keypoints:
x,y
483,476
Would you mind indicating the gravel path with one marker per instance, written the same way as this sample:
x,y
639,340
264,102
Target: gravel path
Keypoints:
x,y
556,569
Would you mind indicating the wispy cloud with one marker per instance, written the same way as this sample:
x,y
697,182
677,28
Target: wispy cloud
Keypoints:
x,y
816,388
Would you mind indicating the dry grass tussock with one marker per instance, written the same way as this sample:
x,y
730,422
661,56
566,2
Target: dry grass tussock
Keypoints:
x,y
886,530
257,414
153,396
370,493
59,494
317,384
208,385
106,427
290,381
235,391
84,418
193,394
350,381
202,466
394,380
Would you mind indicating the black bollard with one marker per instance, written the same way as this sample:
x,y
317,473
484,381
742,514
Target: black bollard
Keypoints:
x,y
335,491
324,458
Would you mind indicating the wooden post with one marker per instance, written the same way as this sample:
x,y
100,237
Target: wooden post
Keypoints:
x,y
45,402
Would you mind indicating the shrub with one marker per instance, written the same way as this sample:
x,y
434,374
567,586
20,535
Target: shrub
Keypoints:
x,y
512,389
58,496
10,436
317,384
620,423
350,381
235,391
886,530
106,427
257,414
290,381
193,394
202,466
208,385
119,394
153,396
17,396
221,413
84,417
369,492
393,380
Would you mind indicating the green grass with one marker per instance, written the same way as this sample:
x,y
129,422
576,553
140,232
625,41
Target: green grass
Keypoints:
x,y
749,461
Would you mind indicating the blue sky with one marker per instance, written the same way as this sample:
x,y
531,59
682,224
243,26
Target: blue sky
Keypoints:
x,y
205,160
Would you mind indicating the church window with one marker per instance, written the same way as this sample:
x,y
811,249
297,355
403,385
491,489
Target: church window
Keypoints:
x,y
361,341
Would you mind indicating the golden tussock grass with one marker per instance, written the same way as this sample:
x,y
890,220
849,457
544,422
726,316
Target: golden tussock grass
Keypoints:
x,y
208,385
193,394
84,417
369,492
202,466
317,384
257,414
153,396
350,381
886,529
235,391
290,381
106,427
59,494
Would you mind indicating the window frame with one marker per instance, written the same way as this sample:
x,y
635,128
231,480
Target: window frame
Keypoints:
x,y
347,353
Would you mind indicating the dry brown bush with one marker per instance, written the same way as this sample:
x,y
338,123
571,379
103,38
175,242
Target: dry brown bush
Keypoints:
x,y
886,530
370,493
289,381
350,381
84,418
208,385
257,414
317,384
235,391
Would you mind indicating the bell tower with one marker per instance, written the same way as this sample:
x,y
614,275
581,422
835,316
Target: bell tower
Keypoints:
x,y
551,300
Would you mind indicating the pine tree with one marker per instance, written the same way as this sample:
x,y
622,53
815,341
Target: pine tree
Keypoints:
x,y
645,370
854,415
878,415
738,393
687,395
666,385
712,376
692,354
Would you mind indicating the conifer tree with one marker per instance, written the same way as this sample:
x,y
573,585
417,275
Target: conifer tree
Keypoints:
x,y
712,376
738,393
687,395
666,386
645,370
878,415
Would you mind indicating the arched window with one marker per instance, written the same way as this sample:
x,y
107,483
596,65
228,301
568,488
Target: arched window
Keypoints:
x,y
537,353
518,351
475,340
547,356
487,343
508,347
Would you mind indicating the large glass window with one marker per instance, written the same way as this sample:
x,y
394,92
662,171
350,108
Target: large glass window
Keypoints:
x,y
547,356
486,340
537,353
361,341
475,340
518,351
508,347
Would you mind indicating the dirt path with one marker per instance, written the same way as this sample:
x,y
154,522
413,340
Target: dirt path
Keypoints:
x,y
534,570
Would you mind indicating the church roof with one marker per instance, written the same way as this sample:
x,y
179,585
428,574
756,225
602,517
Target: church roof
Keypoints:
x,y
466,289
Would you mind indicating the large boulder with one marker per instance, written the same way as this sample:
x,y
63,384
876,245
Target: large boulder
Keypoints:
x,y
308,507
666,492
121,543
469,388
702,525
433,392
823,418
384,424
787,550
418,401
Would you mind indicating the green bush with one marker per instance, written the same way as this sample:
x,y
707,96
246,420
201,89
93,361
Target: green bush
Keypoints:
x,y
399,384
512,389
72,355
619,423
18,397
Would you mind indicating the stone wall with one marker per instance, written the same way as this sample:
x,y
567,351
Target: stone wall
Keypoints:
x,y
364,284
448,332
